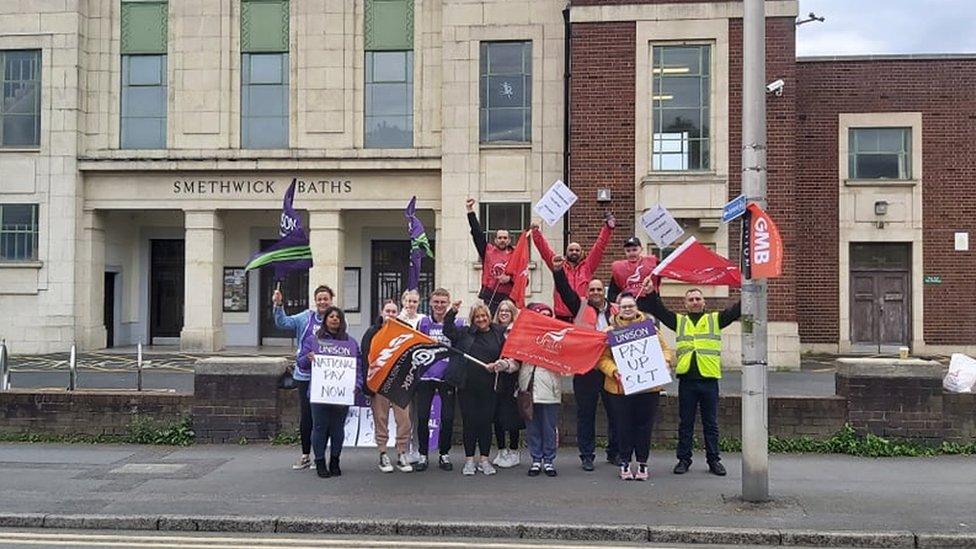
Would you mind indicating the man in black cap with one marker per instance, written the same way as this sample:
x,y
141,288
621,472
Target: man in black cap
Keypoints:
x,y
628,274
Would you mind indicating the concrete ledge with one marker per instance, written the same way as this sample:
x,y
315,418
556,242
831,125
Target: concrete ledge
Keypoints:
x,y
888,367
966,541
709,535
458,529
21,520
177,524
814,538
241,366
311,525
582,532
236,524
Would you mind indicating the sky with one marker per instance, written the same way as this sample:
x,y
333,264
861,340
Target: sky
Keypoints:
x,y
863,27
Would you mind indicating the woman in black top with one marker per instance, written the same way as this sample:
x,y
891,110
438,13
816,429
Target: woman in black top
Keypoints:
x,y
482,340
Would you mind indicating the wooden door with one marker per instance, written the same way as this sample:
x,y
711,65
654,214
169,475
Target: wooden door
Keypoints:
x,y
881,294
166,288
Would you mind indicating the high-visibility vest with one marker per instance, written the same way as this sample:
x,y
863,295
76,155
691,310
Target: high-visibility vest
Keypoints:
x,y
704,341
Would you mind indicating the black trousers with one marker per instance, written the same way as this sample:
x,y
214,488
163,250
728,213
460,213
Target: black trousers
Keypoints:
x,y
635,415
328,428
304,416
477,413
588,389
424,397
694,395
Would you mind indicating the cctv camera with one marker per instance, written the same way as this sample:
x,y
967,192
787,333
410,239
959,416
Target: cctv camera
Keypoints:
x,y
776,87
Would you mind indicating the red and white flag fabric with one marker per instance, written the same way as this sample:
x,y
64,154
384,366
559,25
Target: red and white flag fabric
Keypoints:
x,y
518,269
559,346
763,245
694,263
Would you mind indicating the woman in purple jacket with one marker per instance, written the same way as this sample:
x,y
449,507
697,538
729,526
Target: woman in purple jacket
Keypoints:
x,y
329,420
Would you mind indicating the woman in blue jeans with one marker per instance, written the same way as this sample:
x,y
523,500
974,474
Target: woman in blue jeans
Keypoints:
x,y
329,420
546,398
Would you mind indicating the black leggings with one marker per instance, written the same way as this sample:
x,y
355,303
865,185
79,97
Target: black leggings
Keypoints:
x,y
635,420
425,396
513,436
305,416
477,413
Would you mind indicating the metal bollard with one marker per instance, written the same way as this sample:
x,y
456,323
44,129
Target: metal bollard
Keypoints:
x,y
4,367
139,367
72,371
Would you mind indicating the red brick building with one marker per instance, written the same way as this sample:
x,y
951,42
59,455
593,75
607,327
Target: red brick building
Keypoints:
x,y
870,167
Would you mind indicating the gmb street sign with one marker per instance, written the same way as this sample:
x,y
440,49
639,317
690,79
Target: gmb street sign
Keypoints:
x,y
735,208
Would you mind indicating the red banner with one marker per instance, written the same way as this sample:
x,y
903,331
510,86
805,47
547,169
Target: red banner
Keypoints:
x,y
694,263
553,344
764,246
518,269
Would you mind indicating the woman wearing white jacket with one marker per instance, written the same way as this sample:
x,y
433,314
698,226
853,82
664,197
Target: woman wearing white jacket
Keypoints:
x,y
547,395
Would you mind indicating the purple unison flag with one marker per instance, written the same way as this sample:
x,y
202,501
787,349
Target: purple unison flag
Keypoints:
x,y
419,244
291,252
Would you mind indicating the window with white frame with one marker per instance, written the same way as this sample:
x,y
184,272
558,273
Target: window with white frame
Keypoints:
x,y
20,107
264,105
389,99
680,110
143,102
880,153
18,232
513,217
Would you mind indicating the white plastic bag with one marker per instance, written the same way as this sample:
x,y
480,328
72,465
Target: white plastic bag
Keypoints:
x,y
962,374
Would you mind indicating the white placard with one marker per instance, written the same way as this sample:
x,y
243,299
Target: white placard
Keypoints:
x,y
962,242
367,429
351,427
333,380
556,202
661,226
639,358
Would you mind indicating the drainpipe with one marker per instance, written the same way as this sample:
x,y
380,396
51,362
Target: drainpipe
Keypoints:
x,y
567,50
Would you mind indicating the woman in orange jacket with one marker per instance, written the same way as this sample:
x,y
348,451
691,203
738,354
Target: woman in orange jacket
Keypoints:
x,y
635,413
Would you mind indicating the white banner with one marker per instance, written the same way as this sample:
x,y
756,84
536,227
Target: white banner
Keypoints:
x,y
661,226
333,380
556,202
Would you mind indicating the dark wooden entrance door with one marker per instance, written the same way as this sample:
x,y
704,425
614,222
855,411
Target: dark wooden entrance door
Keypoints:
x,y
881,295
390,265
166,288
108,314
295,290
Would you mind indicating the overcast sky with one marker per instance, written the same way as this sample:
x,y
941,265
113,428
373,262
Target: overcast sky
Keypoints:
x,y
860,27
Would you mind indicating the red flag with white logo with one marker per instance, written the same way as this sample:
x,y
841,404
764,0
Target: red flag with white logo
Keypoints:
x,y
694,263
518,269
763,245
559,346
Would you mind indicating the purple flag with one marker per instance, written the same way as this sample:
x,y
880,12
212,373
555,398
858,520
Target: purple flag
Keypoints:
x,y
291,252
419,244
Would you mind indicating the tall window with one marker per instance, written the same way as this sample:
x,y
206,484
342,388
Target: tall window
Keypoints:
x,y
506,92
880,153
20,111
513,217
388,32
144,40
680,108
264,74
18,232
389,99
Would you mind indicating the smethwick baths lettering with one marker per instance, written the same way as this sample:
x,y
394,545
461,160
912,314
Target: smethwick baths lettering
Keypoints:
x,y
259,186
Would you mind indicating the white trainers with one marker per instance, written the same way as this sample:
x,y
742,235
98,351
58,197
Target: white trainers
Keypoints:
x,y
403,465
486,468
511,459
303,462
469,468
385,465
500,457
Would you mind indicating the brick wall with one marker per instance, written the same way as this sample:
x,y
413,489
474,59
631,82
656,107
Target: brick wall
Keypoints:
x,y
942,91
86,413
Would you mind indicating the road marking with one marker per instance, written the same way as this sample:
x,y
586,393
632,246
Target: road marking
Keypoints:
x,y
203,542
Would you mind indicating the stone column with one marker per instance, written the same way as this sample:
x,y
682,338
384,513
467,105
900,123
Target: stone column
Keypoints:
x,y
327,240
90,283
203,327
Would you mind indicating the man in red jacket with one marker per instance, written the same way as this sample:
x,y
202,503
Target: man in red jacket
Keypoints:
x,y
495,284
628,274
579,269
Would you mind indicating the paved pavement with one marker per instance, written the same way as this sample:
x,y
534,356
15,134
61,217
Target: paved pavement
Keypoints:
x,y
811,492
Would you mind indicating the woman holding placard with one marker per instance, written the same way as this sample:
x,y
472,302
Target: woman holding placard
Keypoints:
x,y
335,378
634,413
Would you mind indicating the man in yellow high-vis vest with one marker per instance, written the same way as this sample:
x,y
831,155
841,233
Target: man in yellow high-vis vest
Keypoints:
x,y
699,351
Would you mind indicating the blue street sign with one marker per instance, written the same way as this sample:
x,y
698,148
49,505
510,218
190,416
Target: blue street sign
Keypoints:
x,y
735,208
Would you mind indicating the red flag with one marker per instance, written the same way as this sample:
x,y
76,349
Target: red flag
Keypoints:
x,y
694,263
518,269
763,245
553,344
